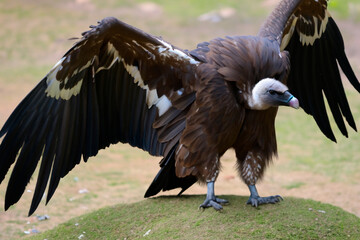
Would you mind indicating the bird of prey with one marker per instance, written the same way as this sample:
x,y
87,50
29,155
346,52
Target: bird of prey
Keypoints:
x,y
120,84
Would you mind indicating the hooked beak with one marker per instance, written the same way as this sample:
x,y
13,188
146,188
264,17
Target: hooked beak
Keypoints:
x,y
291,100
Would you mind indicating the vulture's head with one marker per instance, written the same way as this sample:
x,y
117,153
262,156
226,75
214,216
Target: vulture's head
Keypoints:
x,y
258,68
270,92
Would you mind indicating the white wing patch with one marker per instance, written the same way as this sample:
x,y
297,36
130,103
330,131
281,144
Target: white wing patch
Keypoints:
x,y
309,40
306,40
286,39
111,50
53,89
168,50
152,98
151,95
163,104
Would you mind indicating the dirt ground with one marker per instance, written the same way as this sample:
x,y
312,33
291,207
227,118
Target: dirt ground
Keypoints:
x,y
122,174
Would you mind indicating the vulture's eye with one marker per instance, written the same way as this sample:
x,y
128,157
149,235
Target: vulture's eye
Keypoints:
x,y
272,92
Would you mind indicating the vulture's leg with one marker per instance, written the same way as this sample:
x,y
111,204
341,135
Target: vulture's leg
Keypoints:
x,y
211,200
255,200
251,168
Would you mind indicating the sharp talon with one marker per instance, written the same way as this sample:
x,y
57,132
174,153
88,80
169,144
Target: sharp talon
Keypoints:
x,y
221,201
211,203
216,205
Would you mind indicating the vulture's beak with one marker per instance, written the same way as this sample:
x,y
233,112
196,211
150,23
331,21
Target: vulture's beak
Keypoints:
x,y
290,100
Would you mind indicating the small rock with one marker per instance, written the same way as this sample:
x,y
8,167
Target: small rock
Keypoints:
x,y
150,8
227,12
84,190
147,233
210,17
217,15
42,217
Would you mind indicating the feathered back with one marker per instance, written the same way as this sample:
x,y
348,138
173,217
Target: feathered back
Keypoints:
x,y
248,59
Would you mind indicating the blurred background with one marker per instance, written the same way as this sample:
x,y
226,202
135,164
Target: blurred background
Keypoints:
x,y
34,34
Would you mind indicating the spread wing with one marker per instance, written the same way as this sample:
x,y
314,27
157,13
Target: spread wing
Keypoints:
x,y
307,31
116,84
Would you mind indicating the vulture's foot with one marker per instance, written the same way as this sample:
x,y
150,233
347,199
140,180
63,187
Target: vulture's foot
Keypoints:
x,y
255,200
211,200
216,203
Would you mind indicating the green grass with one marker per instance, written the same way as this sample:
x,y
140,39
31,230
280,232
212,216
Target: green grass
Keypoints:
x,y
345,8
294,185
179,218
191,9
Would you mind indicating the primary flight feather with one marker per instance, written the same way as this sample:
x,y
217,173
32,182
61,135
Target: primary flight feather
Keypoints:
x,y
120,84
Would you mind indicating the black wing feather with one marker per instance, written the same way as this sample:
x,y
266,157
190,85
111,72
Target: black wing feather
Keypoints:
x,y
333,75
166,178
315,73
338,46
308,32
109,107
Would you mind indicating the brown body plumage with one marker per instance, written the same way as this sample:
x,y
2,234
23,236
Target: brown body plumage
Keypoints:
x,y
120,84
242,128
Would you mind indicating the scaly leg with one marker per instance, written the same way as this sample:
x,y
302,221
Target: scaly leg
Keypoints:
x,y
211,200
255,200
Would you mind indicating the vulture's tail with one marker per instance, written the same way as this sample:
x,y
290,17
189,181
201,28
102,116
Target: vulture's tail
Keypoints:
x,y
166,178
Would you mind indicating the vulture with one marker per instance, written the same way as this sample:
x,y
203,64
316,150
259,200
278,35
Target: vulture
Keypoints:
x,y
120,84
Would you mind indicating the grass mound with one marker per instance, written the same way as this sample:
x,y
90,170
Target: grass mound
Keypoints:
x,y
178,218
